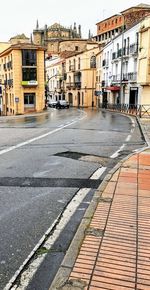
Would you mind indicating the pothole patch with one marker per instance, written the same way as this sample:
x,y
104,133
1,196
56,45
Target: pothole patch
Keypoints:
x,y
84,157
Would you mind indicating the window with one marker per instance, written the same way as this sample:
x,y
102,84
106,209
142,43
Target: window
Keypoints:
x,y
28,57
93,62
29,74
79,63
76,48
29,99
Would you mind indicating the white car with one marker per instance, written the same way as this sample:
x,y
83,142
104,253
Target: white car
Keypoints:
x,y
52,104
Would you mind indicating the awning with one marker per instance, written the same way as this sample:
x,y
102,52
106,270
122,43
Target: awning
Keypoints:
x,y
113,88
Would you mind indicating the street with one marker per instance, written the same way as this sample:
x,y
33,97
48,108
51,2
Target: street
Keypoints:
x,y
45,160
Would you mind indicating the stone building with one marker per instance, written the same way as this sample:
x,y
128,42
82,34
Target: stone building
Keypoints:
x,y
109,28
51,36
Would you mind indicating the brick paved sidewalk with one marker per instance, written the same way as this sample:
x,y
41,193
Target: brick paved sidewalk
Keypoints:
x,y
115,253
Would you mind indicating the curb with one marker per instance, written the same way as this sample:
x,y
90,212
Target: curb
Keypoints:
x,y
67,264
144,132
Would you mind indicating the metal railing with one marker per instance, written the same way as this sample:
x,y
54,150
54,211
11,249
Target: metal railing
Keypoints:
x,y
137,110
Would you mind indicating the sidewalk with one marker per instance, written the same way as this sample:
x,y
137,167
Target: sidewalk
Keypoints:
x,y
115,249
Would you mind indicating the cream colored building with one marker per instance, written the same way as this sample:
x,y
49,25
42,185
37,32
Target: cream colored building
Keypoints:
x,y
55,75
144,61
81,77
22,79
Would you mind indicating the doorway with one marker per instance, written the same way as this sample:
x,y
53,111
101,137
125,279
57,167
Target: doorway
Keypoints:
x,y
133,99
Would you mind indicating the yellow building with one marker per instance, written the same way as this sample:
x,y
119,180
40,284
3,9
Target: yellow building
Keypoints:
x,y
81,77
144,61
22,79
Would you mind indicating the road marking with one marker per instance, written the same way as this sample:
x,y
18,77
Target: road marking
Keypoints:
x,y
116,154
37,138
128,138
98,173
27,275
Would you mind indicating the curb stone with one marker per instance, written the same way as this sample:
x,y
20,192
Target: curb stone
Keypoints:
x,y
62,275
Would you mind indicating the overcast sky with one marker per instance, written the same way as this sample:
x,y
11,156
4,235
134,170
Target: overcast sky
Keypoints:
x,y
20,16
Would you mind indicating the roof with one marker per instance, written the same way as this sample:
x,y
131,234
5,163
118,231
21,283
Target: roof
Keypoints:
x,y
56,26
19,36
144,6
21,46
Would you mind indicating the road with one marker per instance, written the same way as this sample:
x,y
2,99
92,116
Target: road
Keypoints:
x,y
44,162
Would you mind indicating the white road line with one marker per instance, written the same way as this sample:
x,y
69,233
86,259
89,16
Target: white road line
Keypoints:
x,y
27,275
116,154
37,138
98,173
128,138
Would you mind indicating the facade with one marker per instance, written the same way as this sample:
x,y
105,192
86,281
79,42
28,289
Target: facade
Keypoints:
x,y
81,78
144,61
55,75
99,71
119,69
51,36
109,28
22,79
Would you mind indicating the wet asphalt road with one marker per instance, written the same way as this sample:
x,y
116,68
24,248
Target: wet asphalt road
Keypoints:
x,y
53,161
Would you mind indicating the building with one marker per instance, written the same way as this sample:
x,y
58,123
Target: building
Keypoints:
x,y
55,75
144,61
51,36
119,69
81,77
22,78
110,27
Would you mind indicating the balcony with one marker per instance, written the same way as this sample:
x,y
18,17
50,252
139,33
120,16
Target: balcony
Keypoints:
x,y
105,62
134,48
70,86
116,78
72,68
78,85
9,65
114,55
119,52
132,76
10,82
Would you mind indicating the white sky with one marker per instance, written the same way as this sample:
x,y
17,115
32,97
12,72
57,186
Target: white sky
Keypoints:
x,y
20,16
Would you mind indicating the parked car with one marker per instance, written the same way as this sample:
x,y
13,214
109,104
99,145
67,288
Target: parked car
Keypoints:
x,y
52,104
62,104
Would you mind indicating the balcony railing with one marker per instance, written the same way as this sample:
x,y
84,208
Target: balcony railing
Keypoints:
x,y
134,48
132,76
71,68
73,85
78,85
